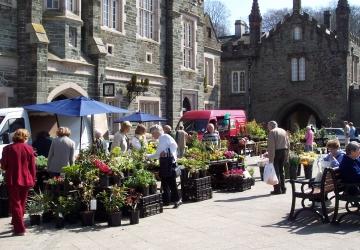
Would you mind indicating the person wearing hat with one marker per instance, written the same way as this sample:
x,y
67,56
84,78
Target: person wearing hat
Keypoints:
x,y
120,138
309,139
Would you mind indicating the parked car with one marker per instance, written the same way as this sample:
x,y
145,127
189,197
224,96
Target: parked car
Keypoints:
x,y
332,133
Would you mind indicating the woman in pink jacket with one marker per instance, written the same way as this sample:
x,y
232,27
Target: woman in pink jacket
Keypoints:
x,y
309,137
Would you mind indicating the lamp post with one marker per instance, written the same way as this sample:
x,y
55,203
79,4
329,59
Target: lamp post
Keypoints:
x,y
249,88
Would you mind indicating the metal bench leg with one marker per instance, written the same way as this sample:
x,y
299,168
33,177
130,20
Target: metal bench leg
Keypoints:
x,y
324,212
292,211
336,211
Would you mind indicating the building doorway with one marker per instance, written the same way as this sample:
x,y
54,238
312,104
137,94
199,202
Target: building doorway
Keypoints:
x,y
186,105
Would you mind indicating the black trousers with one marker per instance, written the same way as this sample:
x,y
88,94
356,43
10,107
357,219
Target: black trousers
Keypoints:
x,y
170,190
279,162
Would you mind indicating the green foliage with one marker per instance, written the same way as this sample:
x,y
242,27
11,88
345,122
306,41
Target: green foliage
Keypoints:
x,y
35,204
294,159
255,130
114,199
298,136
72,173
41,162
141,178
66,205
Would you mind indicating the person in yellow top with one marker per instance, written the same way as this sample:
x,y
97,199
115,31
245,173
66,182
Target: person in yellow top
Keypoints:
x,y
278,147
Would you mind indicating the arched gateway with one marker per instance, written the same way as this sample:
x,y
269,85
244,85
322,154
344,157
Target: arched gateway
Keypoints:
x,y
298,115
67,90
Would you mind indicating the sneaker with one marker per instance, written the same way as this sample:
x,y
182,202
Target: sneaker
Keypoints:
x,y
178,204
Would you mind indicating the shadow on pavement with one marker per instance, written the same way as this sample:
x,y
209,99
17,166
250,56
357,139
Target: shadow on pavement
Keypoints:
x,y
244,198
311,225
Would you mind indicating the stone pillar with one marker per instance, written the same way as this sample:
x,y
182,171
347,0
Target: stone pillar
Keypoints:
x,y
32,53
255,20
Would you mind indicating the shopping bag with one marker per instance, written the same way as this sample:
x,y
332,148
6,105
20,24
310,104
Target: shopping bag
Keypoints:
x,y
270,175
321,165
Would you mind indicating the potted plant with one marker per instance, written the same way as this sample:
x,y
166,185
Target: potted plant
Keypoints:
x,y
307,159
87,197
294,162
104,170
35,208
255,131
67,209
132,200
113,201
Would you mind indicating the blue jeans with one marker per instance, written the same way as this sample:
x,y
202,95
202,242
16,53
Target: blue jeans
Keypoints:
x,y
308,148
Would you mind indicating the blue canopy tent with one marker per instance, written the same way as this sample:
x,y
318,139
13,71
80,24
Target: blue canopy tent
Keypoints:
x,y
140,117
77,107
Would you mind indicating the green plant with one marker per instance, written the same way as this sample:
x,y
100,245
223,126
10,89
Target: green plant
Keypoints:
x,y
35,204
66,205
294,159
72,173
255,130
141,178
114,199
41,162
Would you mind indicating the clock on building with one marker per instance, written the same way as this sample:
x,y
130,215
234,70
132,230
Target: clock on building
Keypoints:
x,y
108,89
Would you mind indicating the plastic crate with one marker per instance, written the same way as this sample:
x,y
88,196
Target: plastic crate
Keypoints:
x,y
151,199
197,184
151,210
197,195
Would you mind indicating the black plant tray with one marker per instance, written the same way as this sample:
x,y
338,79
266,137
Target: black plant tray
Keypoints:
x,y
151,199
196,184
151,209
231,183
197,195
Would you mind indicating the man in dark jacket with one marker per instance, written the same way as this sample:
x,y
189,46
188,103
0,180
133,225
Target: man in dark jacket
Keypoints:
x,y
350,165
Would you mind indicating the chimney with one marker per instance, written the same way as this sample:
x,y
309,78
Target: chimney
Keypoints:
x,y
240,28
296,6
327,16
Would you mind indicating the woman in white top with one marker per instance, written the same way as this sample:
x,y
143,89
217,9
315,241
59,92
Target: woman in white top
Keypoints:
x,y
139,140
120,138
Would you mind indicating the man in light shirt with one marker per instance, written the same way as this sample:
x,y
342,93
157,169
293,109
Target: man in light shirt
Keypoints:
x,y
168,183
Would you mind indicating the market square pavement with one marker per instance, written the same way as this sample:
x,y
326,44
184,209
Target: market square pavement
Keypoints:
x,y
246,220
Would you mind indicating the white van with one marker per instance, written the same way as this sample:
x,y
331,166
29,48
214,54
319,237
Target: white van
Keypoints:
x,y
35,122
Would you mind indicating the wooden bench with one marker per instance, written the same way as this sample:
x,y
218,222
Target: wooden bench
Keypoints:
x,y
350,194
313,192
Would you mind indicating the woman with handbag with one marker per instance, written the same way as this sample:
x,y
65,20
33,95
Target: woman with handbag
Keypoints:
x,y
167,154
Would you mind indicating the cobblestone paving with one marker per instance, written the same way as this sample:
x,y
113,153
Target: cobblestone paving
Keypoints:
x,y
249,220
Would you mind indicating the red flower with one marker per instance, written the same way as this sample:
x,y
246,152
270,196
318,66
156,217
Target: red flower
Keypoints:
x,y
234,172
102,166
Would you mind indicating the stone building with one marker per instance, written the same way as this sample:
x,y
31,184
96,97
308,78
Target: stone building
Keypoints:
x,y
299,72
157,56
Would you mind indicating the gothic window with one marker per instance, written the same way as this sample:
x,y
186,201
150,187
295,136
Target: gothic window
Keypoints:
x,y
298,69
297,33
52,4
188,43
112,14
238,82
209,71
148,19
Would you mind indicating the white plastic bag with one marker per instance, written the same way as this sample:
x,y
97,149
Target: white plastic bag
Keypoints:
x,y
321,165
270,175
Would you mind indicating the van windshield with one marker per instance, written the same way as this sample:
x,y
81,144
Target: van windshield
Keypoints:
x,y
195,125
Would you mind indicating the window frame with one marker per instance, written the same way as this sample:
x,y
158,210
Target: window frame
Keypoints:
x,y
113,19
241,74
52,5
355,70
297,33
188,42
298,69
74,6
148,100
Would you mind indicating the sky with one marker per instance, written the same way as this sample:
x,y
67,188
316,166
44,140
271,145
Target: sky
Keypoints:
x,y
240,9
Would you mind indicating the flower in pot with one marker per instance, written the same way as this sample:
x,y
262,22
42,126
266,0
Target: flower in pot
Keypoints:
x,y
255,131
113,201
72,174
67,208
87,197
132,201
35,207
41,163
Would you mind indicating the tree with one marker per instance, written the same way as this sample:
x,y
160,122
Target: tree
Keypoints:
x,y
272,17
219,15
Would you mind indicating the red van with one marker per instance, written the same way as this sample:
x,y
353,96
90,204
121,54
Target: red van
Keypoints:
x,y
229,123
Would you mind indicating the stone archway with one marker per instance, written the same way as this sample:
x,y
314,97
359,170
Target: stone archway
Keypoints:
x,y
67,90
298,116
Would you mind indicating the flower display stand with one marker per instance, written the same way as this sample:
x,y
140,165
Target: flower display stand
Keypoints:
x,y
151,205
196,189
